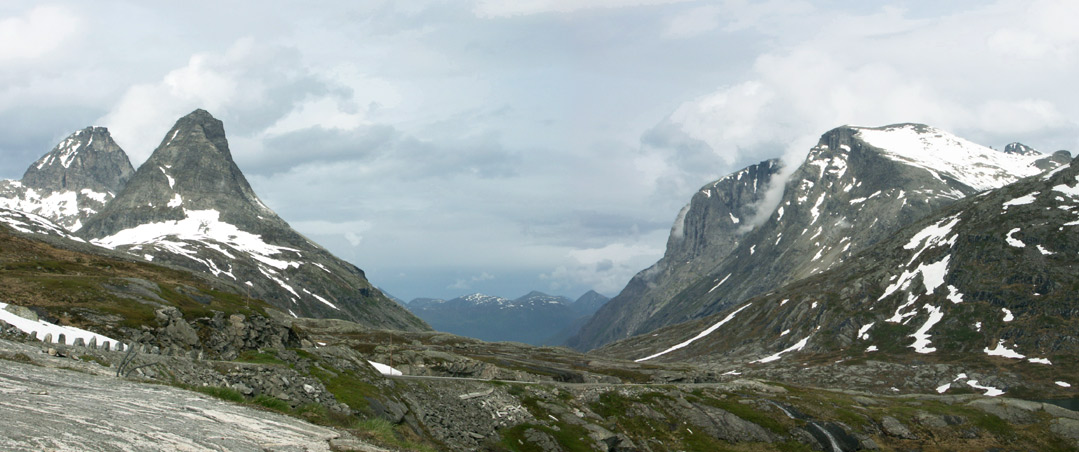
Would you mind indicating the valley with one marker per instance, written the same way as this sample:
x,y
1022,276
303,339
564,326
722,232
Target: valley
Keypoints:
x,y
906,289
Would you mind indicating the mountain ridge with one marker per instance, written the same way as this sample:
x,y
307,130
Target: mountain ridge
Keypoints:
x,y
854,188
189,205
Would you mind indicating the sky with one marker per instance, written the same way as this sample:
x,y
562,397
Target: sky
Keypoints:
x,y
504,146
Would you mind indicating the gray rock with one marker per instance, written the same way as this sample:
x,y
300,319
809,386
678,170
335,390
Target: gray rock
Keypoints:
x,y
22,311
243,389
931,420
893,427
542,440
1010,410
1066,428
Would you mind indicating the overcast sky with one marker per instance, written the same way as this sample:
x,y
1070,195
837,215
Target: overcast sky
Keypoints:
x,y
451,147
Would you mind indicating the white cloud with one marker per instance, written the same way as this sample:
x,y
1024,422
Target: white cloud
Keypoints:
x,y
249,86
351,231
464,284
37,33
605,269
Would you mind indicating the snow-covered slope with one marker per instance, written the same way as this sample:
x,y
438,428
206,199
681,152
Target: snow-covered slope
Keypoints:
x,y
944,155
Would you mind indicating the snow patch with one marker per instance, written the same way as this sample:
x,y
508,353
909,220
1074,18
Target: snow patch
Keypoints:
x,y
1014,241
796,347
42,327
384,369
720,283
698,336
989,390
1001,350
941,153
921,337
1022,200
176,201
863,332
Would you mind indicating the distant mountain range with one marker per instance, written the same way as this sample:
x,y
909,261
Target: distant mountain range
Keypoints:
x,y
190,206
535,318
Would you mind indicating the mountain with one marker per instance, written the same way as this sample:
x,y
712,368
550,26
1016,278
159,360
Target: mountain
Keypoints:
x,y
856,187
533,318
987,282
706,230
589,303
73,181
189,205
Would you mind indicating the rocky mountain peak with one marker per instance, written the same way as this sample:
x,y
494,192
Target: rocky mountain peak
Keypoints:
x,y
71,182
1020,149
190,173
86,159
189,205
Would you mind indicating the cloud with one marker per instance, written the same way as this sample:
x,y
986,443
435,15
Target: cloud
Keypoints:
x,y
249,86
467,283
351,231
37,33
605,269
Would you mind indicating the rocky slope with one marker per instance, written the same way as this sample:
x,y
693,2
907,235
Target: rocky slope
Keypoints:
x,y
533,318
987,283
73,181
189,205
855,188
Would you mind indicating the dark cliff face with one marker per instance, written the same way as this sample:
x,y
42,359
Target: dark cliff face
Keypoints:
x,y
190,205
855,188
706,230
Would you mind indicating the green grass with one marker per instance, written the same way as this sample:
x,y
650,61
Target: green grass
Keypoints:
x,y
229,394
273,403
260,357
346,387
746,412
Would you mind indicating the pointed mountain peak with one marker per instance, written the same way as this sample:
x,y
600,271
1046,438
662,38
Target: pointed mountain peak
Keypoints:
x,y
591,295
191,171
189,205
200,128
86,159
1020,149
